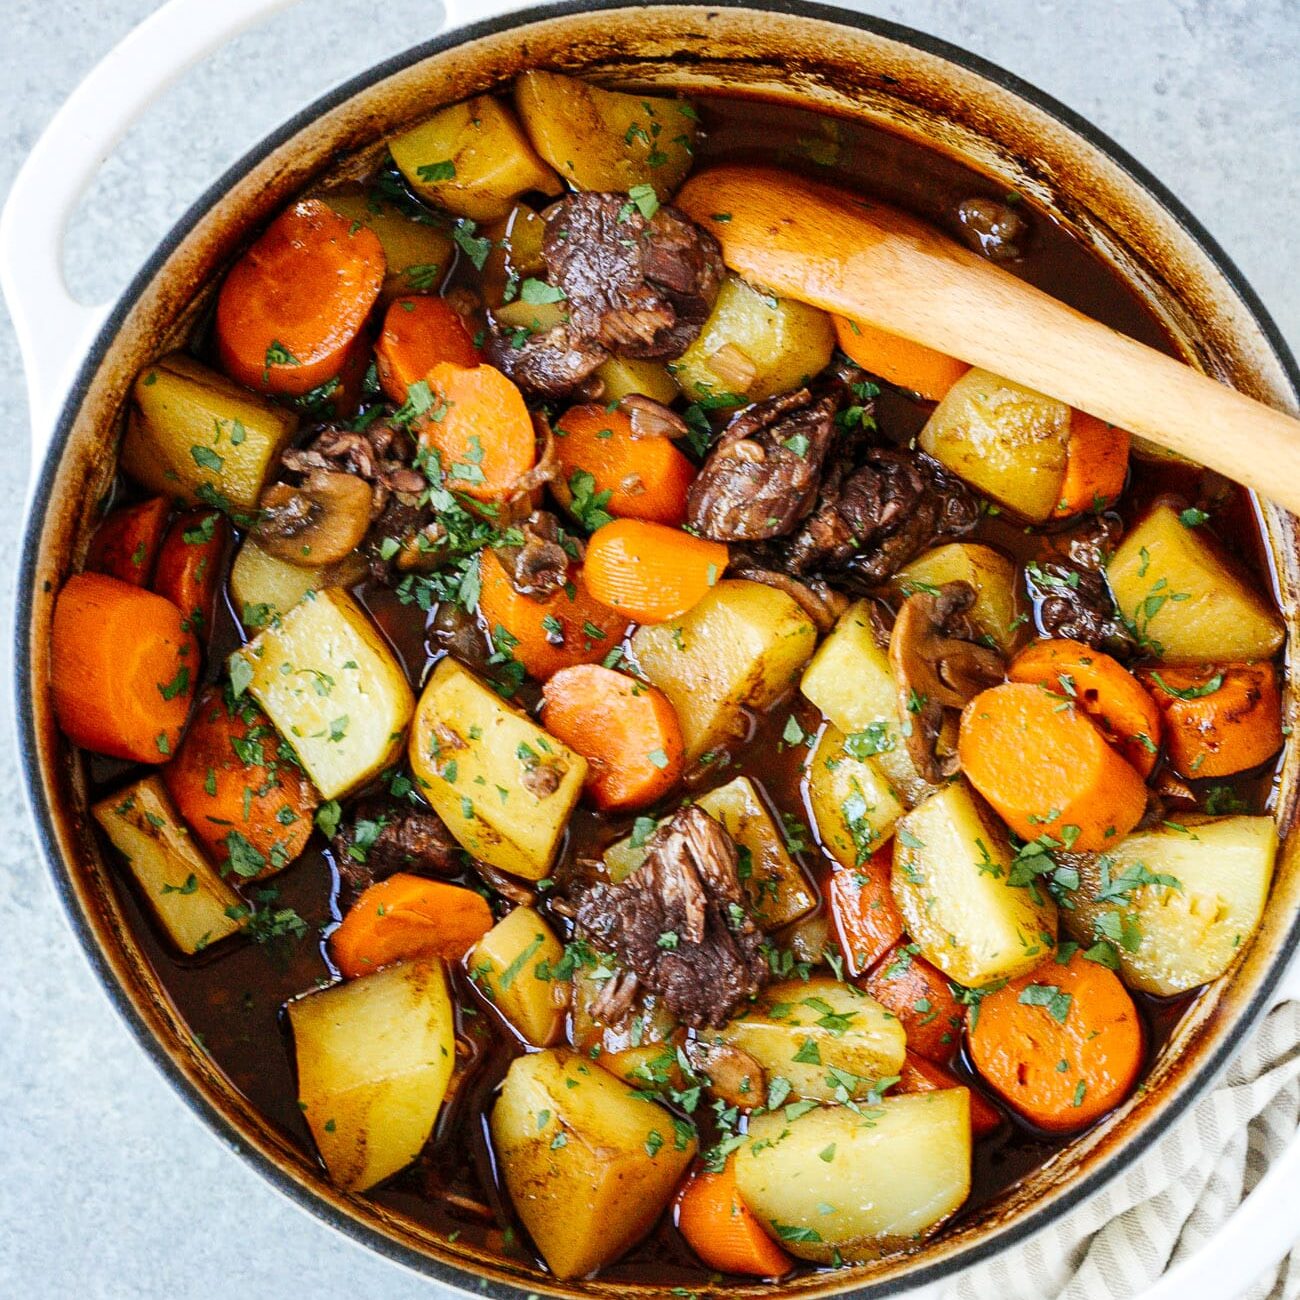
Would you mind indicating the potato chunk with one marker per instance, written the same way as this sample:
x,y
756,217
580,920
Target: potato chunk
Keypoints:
x,y
471,159
638,1049
512,965
589,1164
1172,937
740,647
504,786
837,1183
854,806
999,613
821,1036
1006,440
374,1058
265,588
331,687
605,139
190,900
417,254
193,434
1183,601
951,881
754,345
624,375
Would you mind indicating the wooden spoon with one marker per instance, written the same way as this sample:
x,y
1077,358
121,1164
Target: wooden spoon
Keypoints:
x,y
866,261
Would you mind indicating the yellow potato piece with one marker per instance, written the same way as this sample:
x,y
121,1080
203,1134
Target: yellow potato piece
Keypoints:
x,y
417,254
511,964
853,803
264,587
999,613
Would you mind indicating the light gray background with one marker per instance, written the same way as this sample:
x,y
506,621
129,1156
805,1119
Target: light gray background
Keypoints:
x,y
108,1185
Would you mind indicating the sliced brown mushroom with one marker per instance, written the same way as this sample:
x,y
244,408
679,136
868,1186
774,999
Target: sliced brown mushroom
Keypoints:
x,y
732,1073
937,665
315,524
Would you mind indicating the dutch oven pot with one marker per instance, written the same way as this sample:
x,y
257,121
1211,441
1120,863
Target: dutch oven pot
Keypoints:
x,y
80,362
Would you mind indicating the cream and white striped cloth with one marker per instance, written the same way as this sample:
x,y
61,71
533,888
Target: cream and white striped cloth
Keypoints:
x,y
1175,1197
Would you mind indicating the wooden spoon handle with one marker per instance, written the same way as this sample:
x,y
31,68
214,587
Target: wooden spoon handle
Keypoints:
x,y
863,260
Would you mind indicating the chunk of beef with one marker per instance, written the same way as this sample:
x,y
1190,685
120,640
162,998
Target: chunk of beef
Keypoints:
x,y
871,520
762,477
1070,593
550,363
679,924
382,837
637,286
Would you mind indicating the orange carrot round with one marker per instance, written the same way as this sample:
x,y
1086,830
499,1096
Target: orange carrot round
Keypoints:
x,y
1096,464
1102,687
650,572
1047,769
480,428
246,801
189,566
127,543
1062,1044
866,918
922,999
566,628
418,333
899,361
405,917
646,478
918,1074
722,1230
122,668
626,729
1220,718
291,306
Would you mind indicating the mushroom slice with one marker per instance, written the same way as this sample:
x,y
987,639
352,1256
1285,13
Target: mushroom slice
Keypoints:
x,y
316,524
732,1073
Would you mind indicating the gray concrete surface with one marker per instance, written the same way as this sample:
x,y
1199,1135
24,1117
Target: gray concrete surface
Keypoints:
x,y
108,1186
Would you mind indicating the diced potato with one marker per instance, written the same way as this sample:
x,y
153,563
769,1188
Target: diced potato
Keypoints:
x,y
331,687
1006,440
264,587
374,1058
821,1035
472,159
1172,938
605,139
186,894
1185,603
530,317
740,647
752,346
516,254
193,434
952,865
589,1164
999,613
511,964
624,375
836,1185
479,764
417,254
638,1050
854,806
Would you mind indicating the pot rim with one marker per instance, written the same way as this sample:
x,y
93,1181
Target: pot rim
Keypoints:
x,y
459,1276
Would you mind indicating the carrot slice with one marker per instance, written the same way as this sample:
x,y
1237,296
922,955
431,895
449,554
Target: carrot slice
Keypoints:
x,y
646,478
247,802
1046,768
480,428
626,729
901,362
650,572
291,306
1096,464
566,628
189,566
919,1074
1219,719
127,543
418,333
922,999
405,917
1062,1044
862,906
1106,691
122,668
722,1230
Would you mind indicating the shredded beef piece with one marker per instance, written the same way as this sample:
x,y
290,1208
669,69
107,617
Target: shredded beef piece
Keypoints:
x,y
762,477
550,363
1071,595
637,287
382,838
679,924
540,566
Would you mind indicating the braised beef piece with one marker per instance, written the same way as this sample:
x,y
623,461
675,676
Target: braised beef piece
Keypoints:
x,y
383,837
550,363
540,565
679,924
1070,593
762,477
871,520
